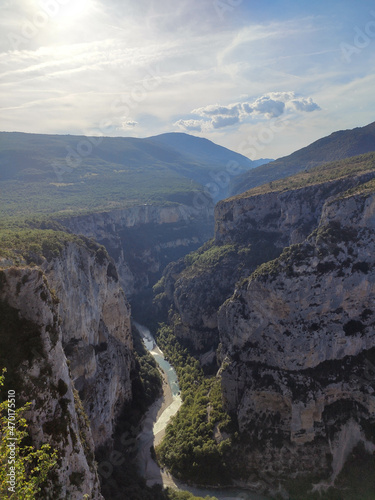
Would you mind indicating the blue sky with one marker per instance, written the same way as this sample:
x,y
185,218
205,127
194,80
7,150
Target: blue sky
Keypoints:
x,y
261,78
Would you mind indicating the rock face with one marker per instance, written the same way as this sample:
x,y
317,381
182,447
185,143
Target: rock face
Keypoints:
x,y
143,239
289,215
96,334
74,298
298,346
293,270
76,338
249,231
31,326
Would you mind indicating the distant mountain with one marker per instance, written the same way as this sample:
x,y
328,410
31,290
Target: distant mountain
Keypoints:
x,y
337,146
58,173
205,150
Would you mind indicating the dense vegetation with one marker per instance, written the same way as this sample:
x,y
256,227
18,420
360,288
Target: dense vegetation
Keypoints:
x,y
337,146
147,386
184,495
32,245
29,466
209,256
43,176
125,482
196,445
65,175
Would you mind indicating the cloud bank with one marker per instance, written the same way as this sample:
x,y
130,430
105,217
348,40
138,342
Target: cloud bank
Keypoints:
x,y
268,106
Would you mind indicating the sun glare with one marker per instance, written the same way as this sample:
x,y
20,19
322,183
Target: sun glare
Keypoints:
x,y
73,10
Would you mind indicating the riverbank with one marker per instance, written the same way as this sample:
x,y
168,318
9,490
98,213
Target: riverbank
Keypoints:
x,y
165,401
158,415
153,430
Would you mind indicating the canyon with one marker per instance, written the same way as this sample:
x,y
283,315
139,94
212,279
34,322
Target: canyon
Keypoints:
x,y
294,335
271,290
80,375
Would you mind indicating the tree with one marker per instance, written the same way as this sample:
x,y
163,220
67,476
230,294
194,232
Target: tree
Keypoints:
x,y
23,468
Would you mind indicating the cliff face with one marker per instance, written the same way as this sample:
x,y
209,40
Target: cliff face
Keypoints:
x,y
96,334
76,338
297,336
143,239
31,335
298,347
249,231
290,214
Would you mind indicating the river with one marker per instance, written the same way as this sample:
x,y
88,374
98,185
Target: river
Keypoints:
x,y
153,429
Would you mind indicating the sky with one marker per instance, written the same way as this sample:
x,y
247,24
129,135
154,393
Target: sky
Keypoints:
x,y
263,78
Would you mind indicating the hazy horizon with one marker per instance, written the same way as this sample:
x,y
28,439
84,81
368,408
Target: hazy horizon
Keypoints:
x,y
262,80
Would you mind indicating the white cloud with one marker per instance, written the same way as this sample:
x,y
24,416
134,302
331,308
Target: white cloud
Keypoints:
x,y
128,125
216,109
307,105
224,121
190,125
268,106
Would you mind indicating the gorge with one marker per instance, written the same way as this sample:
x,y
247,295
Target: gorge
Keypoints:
x,y
274,314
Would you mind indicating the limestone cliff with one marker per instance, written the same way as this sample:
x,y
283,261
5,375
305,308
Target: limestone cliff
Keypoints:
x,y
298,348
143,239
96,333
249,230
38,371
76,345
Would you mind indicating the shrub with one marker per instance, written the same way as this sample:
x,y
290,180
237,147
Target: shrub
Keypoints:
x,y
30,466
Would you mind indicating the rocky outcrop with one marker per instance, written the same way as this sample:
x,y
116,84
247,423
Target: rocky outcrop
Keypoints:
x,y
143,239
199,284
298,347
289,214
73,355
249,230
313,304
96,333
292,266
39,373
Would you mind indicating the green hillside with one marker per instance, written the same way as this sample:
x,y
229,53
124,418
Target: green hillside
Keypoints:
x,y
52,174
323,173
337,146
41,174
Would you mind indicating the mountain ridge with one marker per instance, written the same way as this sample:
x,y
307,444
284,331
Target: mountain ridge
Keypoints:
x,y
104,170
184,142
336,146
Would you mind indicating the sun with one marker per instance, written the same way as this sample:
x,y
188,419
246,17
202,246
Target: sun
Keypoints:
x,y
72,11
74,8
